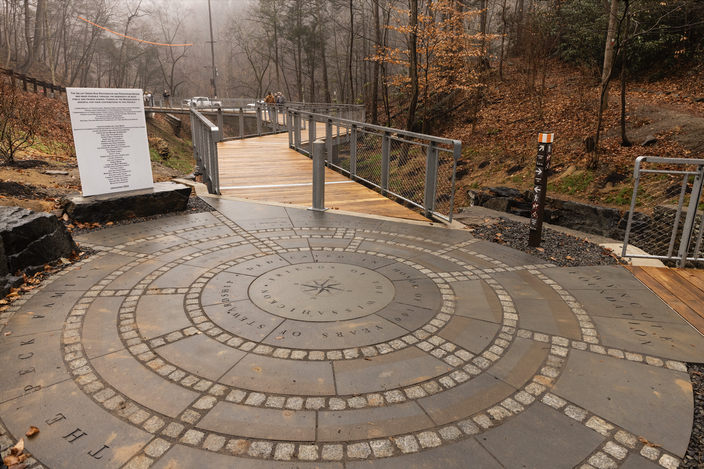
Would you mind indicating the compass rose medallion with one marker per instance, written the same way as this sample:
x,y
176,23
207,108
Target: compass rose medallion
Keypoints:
x,y
322,292
321,288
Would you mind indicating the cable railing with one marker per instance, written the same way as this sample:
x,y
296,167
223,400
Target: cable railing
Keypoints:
x,y
667,194
415,168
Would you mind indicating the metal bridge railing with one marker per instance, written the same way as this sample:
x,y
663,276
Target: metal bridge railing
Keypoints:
x,y
415,168
667,193
205,150
241,118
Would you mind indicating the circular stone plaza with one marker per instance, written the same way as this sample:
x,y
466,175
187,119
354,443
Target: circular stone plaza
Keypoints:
x,y
260,336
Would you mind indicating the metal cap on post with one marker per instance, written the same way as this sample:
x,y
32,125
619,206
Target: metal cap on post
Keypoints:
x,y
318,176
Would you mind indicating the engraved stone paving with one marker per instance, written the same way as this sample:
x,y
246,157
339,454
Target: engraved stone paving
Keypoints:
x,y
270,337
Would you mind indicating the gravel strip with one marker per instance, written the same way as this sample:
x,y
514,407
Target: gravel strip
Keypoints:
x,y
694,458
558,248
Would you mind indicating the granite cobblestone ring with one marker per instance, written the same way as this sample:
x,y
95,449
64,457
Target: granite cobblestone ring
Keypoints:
x,y
261,336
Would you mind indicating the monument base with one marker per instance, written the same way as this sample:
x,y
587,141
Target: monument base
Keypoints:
x,y
165,197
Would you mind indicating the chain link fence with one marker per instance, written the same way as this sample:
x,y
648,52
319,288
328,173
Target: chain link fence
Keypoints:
x,y
413,168
665,215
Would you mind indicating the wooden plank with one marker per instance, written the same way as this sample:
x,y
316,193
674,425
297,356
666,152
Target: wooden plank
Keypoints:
x,y
679,287
654,279
693,276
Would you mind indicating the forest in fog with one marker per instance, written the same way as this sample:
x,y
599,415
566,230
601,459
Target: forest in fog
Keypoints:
x,y
416,55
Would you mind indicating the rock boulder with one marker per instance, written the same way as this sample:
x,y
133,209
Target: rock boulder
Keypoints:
x,y
29,241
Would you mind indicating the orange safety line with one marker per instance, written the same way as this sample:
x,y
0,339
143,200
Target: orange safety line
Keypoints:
x,y
134,38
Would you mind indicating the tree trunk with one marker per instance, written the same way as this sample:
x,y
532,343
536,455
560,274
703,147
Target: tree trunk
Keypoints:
x,y
504,22
321,34
413,64
39,27
624,138
48,46
6,32
29,61
375,73
609,54
351,52
519,23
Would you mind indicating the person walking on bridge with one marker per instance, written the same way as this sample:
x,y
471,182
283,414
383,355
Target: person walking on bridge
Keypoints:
x,y
270,101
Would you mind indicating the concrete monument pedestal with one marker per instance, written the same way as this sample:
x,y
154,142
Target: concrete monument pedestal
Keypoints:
x,y
165,197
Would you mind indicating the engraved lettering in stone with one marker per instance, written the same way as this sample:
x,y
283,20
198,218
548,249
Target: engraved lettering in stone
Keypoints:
x,y
74,435
30,389
26,372
57,294
56,419
29,342
95,455
38,316
26,356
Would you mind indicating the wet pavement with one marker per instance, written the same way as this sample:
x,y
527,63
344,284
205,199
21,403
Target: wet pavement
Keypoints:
x,y
262,336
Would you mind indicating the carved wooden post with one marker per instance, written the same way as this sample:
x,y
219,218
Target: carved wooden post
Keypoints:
x,y
542,166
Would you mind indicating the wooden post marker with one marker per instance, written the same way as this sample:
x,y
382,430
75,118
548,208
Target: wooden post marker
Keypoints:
x,y
542,166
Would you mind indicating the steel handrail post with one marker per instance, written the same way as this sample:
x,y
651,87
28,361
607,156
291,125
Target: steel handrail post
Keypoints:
x,y
221,127
691,214
318,155
328,139
297,131
385,162
215,164
431,178
636,181
353,153
311,132
259,119
678,214
241,119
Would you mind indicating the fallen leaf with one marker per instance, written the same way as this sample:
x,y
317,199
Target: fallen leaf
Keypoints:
x,y
11,461
8,333
18,448
279,337
647,443
367,358
32,431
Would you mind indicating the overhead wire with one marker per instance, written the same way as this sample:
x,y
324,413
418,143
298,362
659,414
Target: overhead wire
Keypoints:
x,y
134,38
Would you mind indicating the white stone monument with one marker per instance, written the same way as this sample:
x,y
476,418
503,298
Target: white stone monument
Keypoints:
x,y
110,134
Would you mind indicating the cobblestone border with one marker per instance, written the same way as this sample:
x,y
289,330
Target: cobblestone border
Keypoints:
x,y
334,452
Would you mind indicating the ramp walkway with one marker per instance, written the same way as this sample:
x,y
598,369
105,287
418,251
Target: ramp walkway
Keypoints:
x,y
266,169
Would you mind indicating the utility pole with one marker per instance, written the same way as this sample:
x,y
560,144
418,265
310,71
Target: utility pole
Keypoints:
x,y
212,50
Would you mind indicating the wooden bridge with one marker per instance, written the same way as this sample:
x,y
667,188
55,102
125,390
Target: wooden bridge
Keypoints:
x,y
267,170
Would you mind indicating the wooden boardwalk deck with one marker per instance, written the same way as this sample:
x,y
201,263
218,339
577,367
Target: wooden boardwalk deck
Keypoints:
x,y
682,289
266,169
